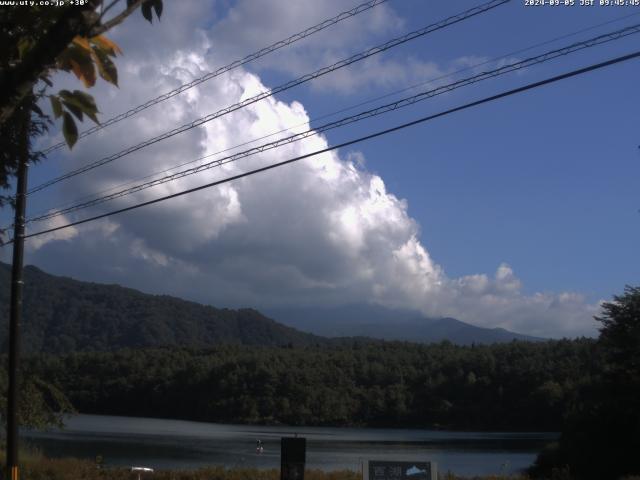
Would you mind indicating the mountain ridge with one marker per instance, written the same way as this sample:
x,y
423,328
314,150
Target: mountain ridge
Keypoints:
x,y
390,324
62,314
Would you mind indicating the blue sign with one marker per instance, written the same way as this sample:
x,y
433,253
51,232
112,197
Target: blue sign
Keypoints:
x,y
396,470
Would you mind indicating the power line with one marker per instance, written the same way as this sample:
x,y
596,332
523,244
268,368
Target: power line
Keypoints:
x,y
237,63
305,78
507,93
335,112
553,54
448,75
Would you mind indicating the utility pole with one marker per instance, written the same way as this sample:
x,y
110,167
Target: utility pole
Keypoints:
x,y
17,283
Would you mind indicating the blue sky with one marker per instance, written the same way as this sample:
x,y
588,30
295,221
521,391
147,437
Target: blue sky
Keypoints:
x,y
547,180
503,215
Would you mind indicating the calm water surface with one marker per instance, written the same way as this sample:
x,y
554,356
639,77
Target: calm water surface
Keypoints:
x,y
177,444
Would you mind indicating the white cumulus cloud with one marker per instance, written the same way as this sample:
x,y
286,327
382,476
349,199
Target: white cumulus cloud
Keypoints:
x,y
321,231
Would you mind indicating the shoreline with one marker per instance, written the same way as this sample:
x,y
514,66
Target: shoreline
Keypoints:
x,y
38,467
177,445
434,428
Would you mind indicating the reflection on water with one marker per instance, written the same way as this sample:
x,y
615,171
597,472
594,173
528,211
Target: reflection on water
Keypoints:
x,y
176,444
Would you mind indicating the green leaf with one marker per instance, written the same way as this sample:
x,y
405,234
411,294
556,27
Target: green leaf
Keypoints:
x,y
69,129
73,109
56,106
106,68
80,102
25,44
80,99
157,6
37,109
146,11
86,102
46,80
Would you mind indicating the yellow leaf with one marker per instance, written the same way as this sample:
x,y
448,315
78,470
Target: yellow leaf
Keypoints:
x,y
107,45
85,72
82,42
106,68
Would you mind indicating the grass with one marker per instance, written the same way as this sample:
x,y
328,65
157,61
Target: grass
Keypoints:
x,y
74,469
35,466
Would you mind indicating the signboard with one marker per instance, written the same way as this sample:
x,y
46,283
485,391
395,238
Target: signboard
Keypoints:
x,y
399,470
292,458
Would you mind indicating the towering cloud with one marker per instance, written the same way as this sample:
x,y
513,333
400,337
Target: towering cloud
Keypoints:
x,y
321,231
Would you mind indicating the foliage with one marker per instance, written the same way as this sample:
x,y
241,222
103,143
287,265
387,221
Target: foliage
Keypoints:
x,y
37,467
83,57
620,335
63,315
29,122
42,404
601,437
264,372
374,384
39,40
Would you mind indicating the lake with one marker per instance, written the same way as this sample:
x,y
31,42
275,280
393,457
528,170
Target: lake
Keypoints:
x,y
177,444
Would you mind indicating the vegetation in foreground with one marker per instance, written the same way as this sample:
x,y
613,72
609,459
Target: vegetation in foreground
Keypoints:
x,y
601,433
38,467
515,386
589,388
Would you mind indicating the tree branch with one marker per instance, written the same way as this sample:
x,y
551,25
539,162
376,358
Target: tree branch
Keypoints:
x,y
104,11
100,29
18,82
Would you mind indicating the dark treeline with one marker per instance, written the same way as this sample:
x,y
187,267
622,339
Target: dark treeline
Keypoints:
x,y
64,315
514,386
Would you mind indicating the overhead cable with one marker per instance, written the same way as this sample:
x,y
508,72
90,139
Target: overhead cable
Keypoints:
x,y
336,112
492,98
545,57
235,64
305,78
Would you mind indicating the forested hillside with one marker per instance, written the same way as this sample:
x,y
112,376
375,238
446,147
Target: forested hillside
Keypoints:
x,y
65,315
515,386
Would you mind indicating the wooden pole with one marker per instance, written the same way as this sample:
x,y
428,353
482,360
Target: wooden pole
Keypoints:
x,y
15,317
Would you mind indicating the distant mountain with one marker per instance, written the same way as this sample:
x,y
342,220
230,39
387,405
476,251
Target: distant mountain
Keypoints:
x,y
63,315
389,324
